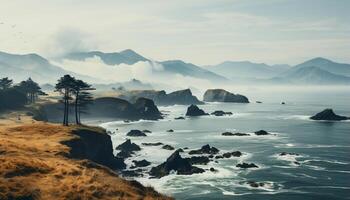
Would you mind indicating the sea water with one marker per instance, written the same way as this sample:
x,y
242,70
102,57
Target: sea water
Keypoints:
x,y
323,148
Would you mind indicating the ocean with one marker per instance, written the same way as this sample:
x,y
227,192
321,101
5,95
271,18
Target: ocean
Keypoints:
x,y
320,170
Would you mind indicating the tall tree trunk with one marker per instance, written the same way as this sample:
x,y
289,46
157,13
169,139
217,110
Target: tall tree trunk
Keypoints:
x,y
76,108
65,108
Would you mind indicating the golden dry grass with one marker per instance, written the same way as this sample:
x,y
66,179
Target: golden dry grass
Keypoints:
x,y
33,166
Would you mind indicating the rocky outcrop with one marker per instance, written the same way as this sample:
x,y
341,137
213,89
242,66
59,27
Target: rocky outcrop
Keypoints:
x,y
329,115
288,154
220,95
140,163
206,149
234,134
179,118
127,146
168,147
95,145
136,133
198,160
247,165
106,108
152,144
220,113
194,111
175,163
261,132
180,97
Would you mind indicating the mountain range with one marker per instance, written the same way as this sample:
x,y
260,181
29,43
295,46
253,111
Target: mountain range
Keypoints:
x,y
314,71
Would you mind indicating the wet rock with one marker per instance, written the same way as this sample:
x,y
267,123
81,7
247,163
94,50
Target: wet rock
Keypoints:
x,y
283,102
141,163
219,157
136,133
247,165
206,149
212,169
211,156
286,154
261,132
128,146
170,131
193,111
132,173
124,154
168,147
234,134
296,162
152,144
230,154
179,118
328,114
198,160
180,150
147,131
255,184
175,163
220,113
258,102
185,148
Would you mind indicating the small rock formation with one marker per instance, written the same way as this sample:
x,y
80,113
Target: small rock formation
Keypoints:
x,y
147,131
328,114
258,102
194,111
170,131
220,113
152,144
128,146
255,184
140,163
136,133
206,149
132,173
283,102
212,169
234,134
168,147
175,163
246,165
286,154
229,155
261,132
147,109
220,95
179,118
124,154
198,160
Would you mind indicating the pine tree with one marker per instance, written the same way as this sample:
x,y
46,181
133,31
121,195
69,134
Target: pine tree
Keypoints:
x,y
65,86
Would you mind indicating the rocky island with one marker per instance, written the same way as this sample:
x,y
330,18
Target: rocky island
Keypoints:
x,y
220,95
328,114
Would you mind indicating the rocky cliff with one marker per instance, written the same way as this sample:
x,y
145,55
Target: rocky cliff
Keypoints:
x,y
220,95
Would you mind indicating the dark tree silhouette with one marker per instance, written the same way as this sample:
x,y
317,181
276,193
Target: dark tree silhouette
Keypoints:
x,y
65,87
31,89
82,97
5,83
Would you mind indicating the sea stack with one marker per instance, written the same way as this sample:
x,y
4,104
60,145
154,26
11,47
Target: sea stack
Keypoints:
x,y
193,111
220,95
328,114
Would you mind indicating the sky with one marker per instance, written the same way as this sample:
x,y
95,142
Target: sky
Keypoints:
x,y
202,32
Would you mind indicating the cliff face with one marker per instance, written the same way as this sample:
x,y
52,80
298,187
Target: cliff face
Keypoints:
x,y
47,161
180,97
220,95
105,108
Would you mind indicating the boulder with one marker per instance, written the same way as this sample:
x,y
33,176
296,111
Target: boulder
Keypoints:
x,y
193,111
198,160
128,146
220,113
212,169
283,102
255,184
258,102
286,154
170,131
124,154
152,144
220,95
247,165
234,134
175,163
136,133
206,149
179,118
261,132
328,114
147,131
168,147
141,163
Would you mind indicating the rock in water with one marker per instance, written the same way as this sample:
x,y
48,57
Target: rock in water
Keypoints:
x,y
261,132
220,95
247,165
198,160
147,109
220,113
206,149
193,110
328,114
128,146
136,133
234,134
168,147
141,163
175,163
